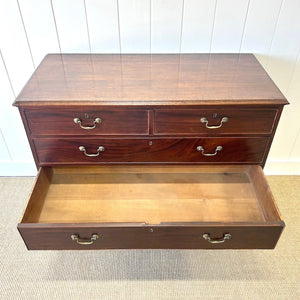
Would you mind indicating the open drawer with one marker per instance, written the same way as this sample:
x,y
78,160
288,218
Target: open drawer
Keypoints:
x,y
151,206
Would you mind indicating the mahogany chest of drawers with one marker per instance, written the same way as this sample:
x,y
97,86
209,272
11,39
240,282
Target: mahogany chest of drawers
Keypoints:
x,y
150,151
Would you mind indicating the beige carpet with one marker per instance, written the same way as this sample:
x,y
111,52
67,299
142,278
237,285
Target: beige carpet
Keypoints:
x,y
149,274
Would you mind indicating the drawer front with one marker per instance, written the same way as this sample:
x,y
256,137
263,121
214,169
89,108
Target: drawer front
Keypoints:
x,y
86,121
217,121
58,237
189,150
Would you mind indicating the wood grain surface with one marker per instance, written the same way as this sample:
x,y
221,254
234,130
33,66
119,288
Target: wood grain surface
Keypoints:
x,y
143,236
142,79
60,121
162,207
127,150
150,108
239,121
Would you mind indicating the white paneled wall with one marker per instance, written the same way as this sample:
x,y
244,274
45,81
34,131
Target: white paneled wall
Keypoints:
x,y
103,25
166,24
229,25
29,29
15,154
135,26
40,28
198,25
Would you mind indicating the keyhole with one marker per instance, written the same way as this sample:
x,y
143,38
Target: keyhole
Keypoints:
x,y
214,115
86,115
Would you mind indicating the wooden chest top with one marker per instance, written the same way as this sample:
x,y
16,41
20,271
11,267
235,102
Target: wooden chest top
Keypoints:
x,y
150,79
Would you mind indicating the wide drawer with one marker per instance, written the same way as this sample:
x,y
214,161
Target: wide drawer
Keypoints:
x,y
183,207
214,121
86,121
193,150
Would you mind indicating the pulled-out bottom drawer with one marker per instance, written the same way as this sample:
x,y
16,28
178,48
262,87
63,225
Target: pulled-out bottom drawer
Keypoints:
x,y
155,207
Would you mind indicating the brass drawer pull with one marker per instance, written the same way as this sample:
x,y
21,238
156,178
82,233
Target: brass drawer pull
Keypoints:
x,y
225,237
96,121
83,241
200,148
100,149
204,120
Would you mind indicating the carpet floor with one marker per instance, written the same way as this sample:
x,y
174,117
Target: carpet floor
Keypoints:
x,y
149,274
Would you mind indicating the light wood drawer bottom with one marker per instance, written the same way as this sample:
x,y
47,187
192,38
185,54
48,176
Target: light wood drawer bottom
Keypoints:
x,y
181,207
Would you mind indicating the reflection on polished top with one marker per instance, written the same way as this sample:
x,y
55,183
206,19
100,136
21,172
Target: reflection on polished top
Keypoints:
x,y
145,79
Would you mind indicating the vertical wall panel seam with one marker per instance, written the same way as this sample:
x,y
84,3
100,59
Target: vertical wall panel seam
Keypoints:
x,y
87,25
181,29
9,80
244,26
213,26
119,27
150,3
3,138
56,29
274,32
294,144
10,83
290,82
27,39
293,72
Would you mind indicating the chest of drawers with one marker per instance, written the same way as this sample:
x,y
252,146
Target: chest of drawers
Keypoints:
x,y
150,151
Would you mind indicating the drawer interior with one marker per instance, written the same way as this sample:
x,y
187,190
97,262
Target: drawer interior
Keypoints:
x,y
151,195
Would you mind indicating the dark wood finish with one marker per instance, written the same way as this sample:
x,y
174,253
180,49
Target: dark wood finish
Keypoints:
x,y
60,121
261,234
235,150
240,121
272,135
25,123
58,236
150,107
139,79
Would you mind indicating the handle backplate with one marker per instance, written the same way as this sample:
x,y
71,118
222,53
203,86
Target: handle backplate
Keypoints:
x,y
204,120
201,149
96,121
100,149
84,241
226,236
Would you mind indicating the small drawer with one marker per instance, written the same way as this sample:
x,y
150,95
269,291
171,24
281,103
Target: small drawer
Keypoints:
x,y
86,121
208,150
170,150
214,121
151,207
91,151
